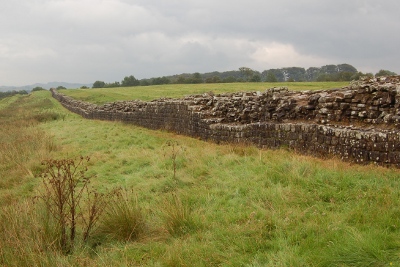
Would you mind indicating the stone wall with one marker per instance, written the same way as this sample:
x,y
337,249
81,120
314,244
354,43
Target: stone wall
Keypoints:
x,y
356,123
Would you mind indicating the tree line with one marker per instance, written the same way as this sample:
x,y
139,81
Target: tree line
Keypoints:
x,y
24,92
11,93
342,72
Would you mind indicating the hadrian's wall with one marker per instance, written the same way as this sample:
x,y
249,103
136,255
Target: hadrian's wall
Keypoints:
x,y
358,123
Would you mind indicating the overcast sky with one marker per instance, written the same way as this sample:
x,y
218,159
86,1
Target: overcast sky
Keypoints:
x,y
87,40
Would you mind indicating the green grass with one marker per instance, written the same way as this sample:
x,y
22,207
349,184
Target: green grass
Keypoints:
x,y
146,93
123,219
4,102
22,144
229,205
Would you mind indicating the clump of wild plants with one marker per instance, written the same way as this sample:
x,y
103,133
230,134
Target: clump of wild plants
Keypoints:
x,y
70,200
175,149
48,116
123,218
26,235
178,216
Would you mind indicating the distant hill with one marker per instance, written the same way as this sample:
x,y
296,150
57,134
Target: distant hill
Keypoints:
x,y
43,85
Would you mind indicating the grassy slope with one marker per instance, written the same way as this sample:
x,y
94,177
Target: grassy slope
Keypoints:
x,y
246,207
101,96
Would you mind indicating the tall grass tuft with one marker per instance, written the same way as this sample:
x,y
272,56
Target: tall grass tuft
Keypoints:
x,y
362,249
178,216
48,116
28,236
123,219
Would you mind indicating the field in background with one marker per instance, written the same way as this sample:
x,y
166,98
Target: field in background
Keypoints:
x,y
201,204
146,93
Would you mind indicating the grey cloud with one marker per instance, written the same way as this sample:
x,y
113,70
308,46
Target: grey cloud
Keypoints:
x,y
87,40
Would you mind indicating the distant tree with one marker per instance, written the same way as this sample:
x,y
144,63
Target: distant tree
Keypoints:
x,y
145,82
84,87
341,72
61,87
229,79
324,77
156,81
329,69
346,68
208,80
385,73
38,88
165,80
160,80
369,74
214,79
99,84
246,72
343,76
11,93
130,81
312,73
111,85
196,78
274,75
181,80
255,78
294,73
359,74
271,78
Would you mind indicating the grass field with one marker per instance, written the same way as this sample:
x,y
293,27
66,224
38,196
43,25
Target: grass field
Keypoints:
x,y
225,205
146,93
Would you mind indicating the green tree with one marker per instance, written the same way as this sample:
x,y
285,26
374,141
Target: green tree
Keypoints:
x,y
61,87
181,80
324,77
38,88
344,76
145,82
246,72
346,68
329,69
11,93
130,81
294,73
214,79
274,75
385,73
229,79
359,74
111,85
271,78
255,78
99,84
196,78
160,80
